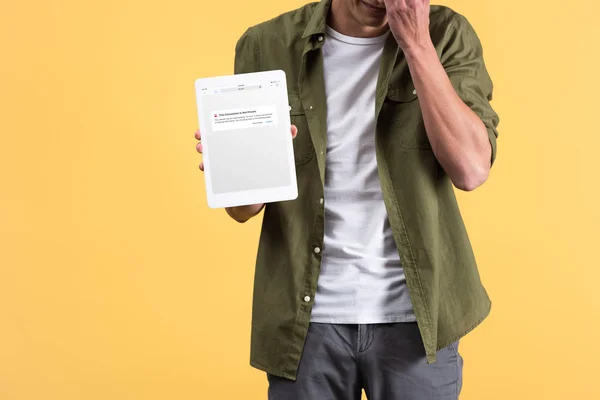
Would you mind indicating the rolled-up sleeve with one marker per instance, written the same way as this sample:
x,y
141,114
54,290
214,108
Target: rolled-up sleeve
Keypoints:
x,y
462,58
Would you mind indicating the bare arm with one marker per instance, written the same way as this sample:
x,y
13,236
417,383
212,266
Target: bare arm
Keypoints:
x,y
243,213
457,135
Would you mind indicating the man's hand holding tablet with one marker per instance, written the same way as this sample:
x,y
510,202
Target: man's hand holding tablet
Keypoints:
x,y
240,213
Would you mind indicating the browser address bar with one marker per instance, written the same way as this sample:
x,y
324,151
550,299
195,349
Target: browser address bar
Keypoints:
x,y
240,88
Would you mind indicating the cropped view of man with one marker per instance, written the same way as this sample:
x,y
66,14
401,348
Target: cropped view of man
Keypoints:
x,y
368,280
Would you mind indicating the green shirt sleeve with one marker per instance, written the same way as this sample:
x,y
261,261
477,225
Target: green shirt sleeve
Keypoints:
x,y
247,54
462,59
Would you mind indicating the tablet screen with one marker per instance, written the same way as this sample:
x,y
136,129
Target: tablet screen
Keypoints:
x,y
246,126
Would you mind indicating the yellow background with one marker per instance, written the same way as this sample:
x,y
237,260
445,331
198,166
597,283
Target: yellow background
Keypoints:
x,y
118,282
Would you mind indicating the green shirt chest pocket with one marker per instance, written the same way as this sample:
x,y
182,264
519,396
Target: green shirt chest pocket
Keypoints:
x,y
303,148
401,118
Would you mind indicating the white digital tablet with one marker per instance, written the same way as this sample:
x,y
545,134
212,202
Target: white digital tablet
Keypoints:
x,y
245,126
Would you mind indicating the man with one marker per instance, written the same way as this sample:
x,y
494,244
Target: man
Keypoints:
x,y
368,279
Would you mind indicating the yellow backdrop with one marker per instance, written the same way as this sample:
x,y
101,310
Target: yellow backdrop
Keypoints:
x,y
118,282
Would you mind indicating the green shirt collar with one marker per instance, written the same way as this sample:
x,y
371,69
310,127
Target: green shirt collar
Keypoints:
x,y
318,21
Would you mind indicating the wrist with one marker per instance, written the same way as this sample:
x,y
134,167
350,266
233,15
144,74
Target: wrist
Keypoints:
x,y
244,213
419,50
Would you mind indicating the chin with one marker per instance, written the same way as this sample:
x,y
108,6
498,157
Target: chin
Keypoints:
x,y
367,17
373,22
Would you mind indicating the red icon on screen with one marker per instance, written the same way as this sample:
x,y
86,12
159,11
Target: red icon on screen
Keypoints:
x,y
216,115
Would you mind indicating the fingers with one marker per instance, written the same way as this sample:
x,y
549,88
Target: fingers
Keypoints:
x,y
294,131
199,148
394,5
198,137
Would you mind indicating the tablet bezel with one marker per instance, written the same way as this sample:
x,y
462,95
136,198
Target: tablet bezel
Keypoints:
x,y
256,196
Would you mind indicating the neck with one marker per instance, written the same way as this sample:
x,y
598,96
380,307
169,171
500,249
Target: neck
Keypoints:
x,y
342,20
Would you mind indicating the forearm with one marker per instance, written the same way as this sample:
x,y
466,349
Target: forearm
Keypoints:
x,y
244,213
457,135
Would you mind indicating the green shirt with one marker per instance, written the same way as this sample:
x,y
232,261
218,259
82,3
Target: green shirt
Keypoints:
x,y
441,273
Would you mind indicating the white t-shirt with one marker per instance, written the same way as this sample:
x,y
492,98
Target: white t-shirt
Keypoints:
x,y
361,279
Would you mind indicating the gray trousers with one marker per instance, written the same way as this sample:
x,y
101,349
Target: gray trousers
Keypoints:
x,y
386,360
